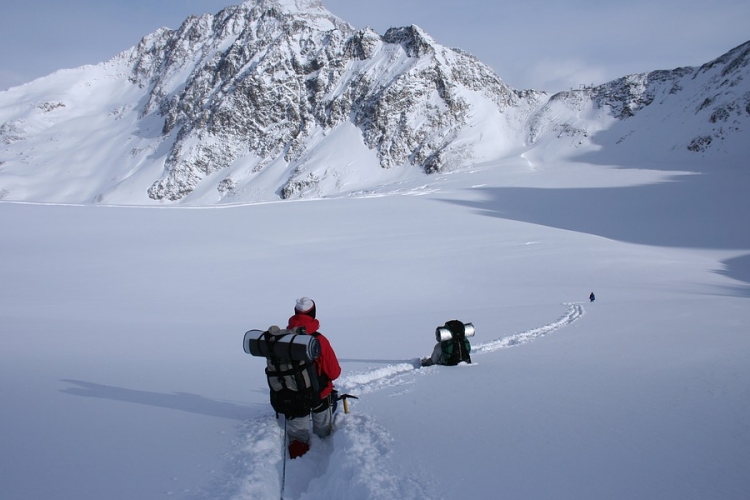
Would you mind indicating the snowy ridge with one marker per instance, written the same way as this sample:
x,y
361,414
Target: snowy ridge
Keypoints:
x,y
273,100
672,114
360,447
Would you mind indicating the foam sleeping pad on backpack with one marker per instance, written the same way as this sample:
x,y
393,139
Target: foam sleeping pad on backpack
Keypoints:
x,y
443,333
282,344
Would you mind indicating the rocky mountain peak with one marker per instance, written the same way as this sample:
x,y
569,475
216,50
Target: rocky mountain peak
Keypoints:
x,y
263,77
730,63
413,39
288,6
282,98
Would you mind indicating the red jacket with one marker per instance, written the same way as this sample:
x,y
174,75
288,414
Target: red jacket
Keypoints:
x,y
327,364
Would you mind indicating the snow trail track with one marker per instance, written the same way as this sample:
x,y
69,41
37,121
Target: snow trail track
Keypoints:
x,y
360,447
375,379
574,313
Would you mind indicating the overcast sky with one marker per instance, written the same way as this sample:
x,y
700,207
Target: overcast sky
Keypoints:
x,y
541,44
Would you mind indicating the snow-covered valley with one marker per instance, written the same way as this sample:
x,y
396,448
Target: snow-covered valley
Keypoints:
x,y
155,207
123,374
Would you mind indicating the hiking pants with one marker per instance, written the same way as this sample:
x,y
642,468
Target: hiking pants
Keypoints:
x,y
322,423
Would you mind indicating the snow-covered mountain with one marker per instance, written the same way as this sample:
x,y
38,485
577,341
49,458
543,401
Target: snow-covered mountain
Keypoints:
x,y
254,103
122,374
704,111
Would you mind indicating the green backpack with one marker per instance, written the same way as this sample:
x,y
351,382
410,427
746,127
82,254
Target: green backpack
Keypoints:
x,y
458,348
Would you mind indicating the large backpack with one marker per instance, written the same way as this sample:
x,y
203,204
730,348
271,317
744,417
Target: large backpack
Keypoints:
x,y
290,371
458,347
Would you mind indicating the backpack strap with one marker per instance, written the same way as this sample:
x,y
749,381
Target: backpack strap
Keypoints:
x,y
322,378
294,382
295,369
273,359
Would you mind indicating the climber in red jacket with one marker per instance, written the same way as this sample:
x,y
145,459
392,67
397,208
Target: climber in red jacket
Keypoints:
x,y
328,369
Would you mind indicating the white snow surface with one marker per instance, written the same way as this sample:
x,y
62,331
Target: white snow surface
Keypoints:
x,y
122,374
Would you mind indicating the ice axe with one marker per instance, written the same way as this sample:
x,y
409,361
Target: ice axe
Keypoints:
x,y
345,398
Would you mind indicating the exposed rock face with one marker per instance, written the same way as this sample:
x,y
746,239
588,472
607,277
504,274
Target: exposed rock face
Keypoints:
x,y
717,94
259,78
256,90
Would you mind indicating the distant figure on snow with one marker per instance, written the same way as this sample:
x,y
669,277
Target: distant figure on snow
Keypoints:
x,y
592,297
453,346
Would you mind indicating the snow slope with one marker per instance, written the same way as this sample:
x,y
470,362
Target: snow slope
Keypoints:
x,y
122,373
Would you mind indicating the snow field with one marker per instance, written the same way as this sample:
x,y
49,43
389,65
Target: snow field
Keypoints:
x,y
122,373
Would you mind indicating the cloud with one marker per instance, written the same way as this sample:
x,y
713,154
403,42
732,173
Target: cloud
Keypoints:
x,y
556,74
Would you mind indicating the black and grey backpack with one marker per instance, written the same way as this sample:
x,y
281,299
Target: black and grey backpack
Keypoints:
x,y
291,373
